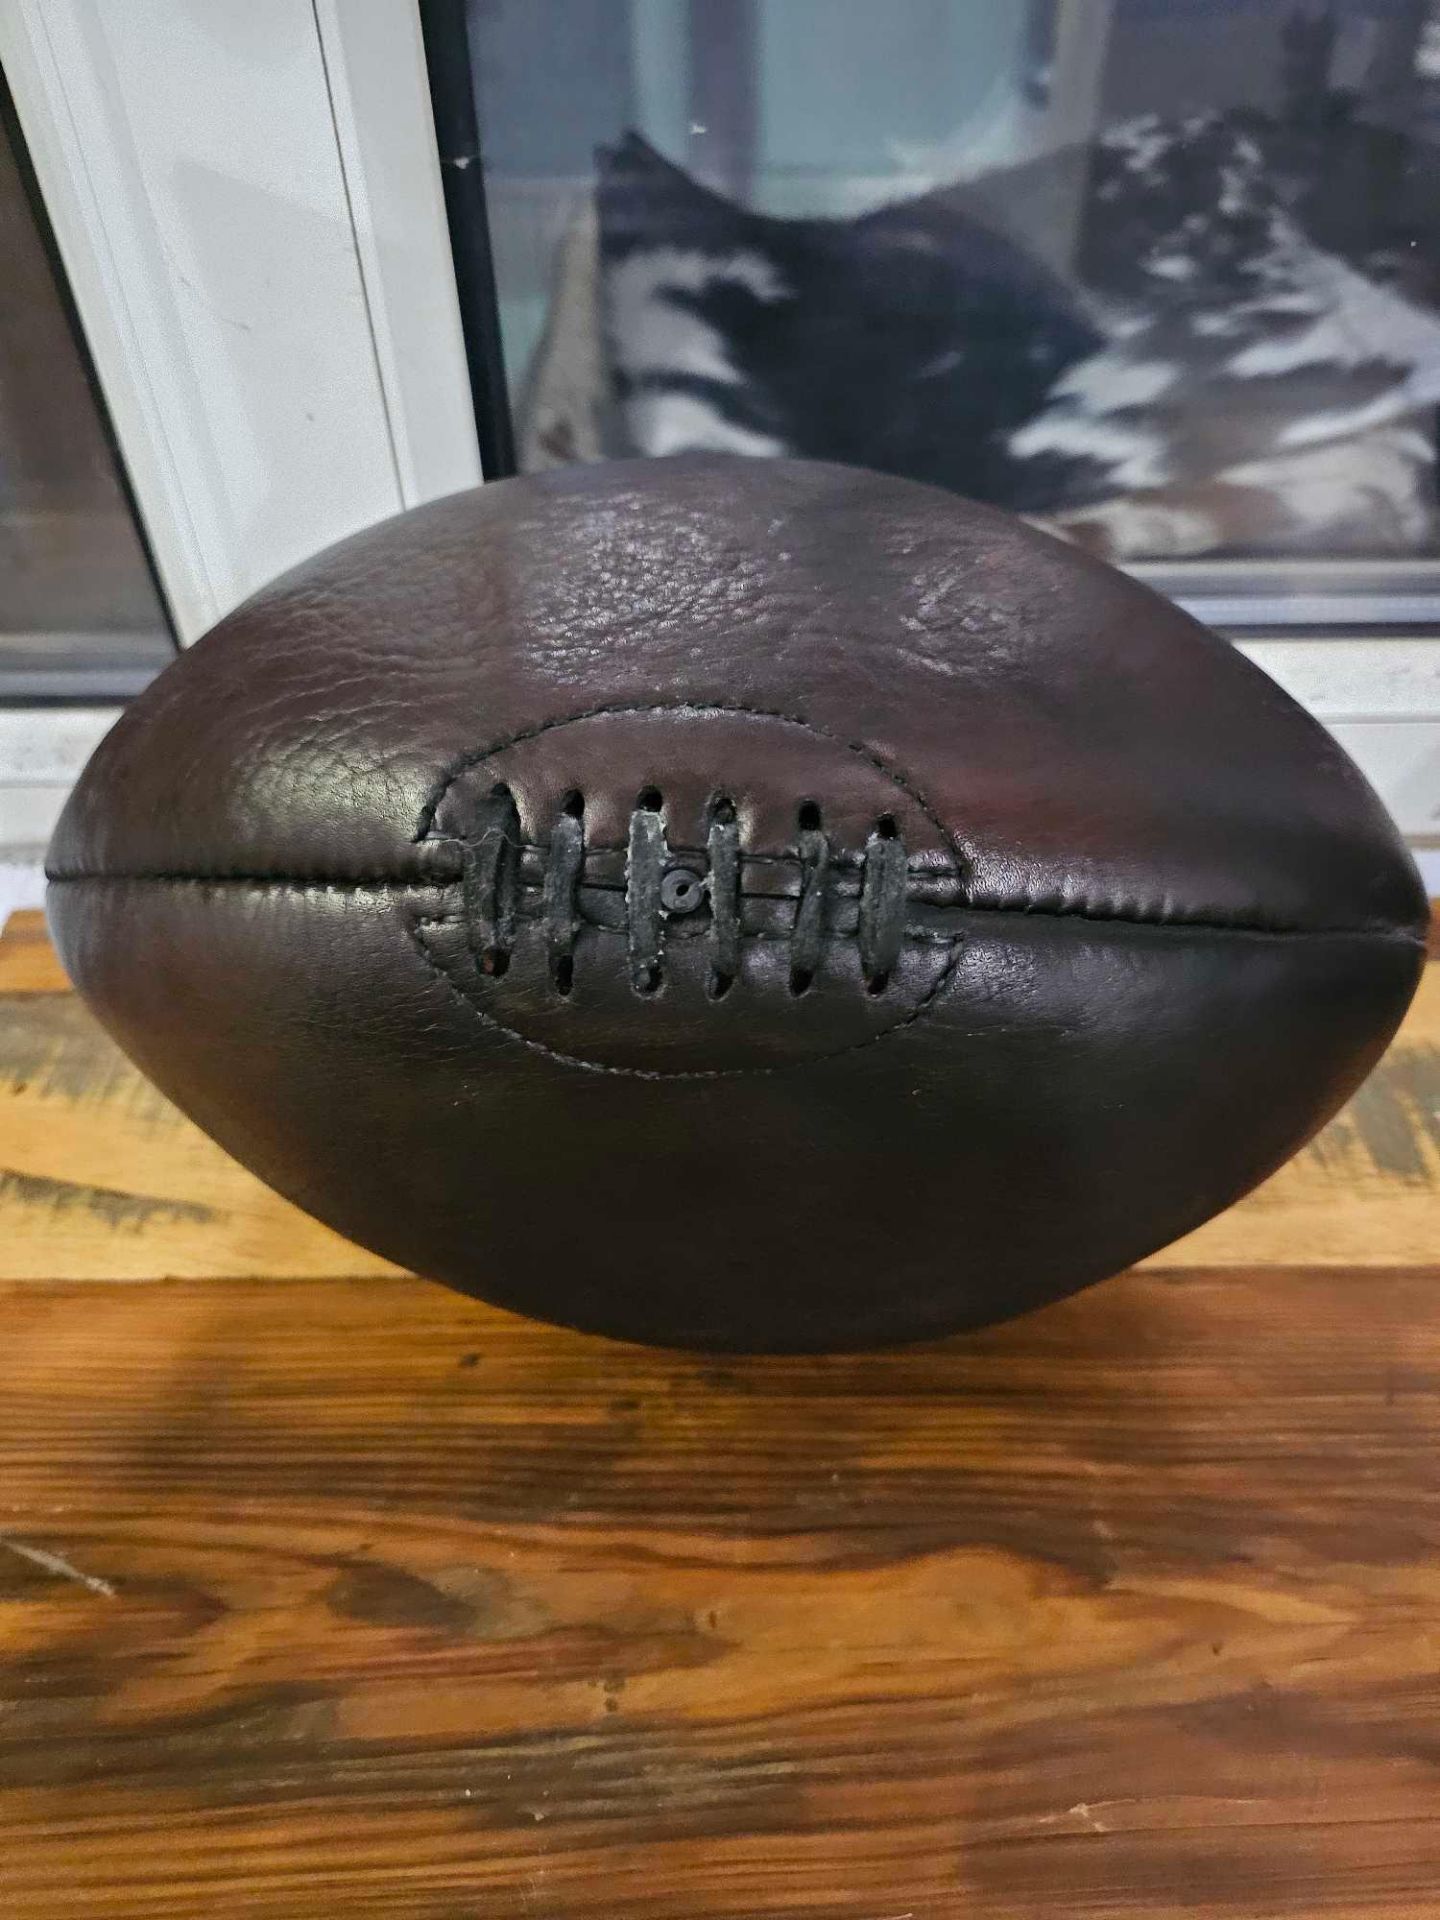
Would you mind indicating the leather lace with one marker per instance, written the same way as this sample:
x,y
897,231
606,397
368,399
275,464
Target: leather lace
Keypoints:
x,y
492,883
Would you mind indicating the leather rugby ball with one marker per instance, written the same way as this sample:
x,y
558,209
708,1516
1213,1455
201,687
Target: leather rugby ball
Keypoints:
x,y
742,904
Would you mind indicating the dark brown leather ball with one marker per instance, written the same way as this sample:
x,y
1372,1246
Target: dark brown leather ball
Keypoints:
x,y
734,903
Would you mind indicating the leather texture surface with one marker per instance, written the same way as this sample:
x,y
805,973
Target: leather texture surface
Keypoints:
x,y
749,904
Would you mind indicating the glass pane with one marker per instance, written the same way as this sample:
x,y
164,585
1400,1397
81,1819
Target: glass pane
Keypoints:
x,y
1163,274
78,606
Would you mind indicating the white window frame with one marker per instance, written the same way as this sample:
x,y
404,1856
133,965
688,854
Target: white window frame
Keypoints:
x,y
249,210
247,200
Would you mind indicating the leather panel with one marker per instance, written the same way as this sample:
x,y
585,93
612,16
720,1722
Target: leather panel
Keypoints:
x,y
1080,1096
1092,747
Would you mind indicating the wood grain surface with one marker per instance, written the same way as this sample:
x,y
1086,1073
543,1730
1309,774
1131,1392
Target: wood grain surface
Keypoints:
x,y
326,1592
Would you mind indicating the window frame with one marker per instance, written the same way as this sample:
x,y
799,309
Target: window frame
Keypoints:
x,y
283,387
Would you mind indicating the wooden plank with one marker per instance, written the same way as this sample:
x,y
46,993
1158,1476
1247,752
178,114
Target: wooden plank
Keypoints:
x,y
100,1177
28,962
351,1597
103,1179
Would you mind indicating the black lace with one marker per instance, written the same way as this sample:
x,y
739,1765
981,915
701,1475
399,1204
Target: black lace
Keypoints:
x,y
882,903
491,876
809,932
492,858
644,870
561,900
722,845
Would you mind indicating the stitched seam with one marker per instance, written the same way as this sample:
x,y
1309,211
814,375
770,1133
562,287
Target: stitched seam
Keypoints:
x,y
921,868
1018,910
921,1007
295,882
781,936
474,758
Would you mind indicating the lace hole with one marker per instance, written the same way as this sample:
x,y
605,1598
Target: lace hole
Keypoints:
x,y
719,984
801,980
885,827
682,890
574,804
877,983
650,800
564,973
647,980
808,817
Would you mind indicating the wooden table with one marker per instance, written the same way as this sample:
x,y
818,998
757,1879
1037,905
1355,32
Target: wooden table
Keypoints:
x,y
326,1592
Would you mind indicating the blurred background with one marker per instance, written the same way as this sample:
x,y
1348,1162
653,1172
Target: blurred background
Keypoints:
x,y
1161,275
1164,273
76,587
